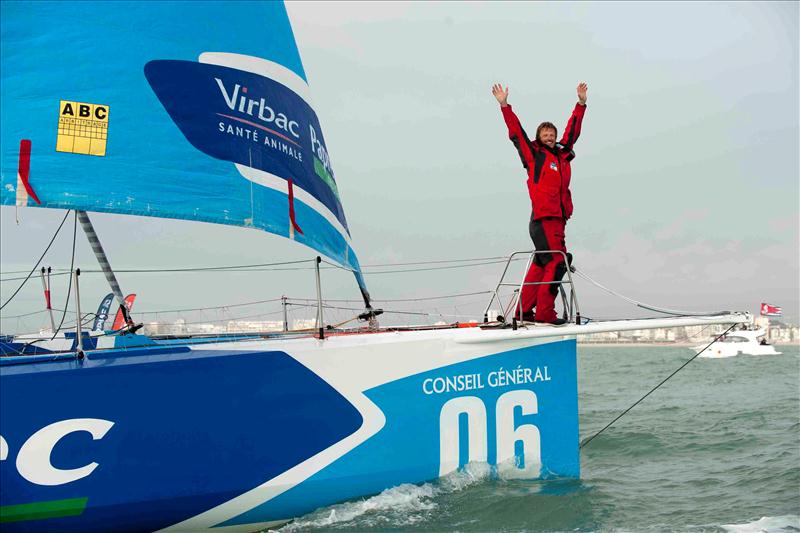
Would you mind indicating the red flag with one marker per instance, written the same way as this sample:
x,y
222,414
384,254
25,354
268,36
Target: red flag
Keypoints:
x,y
770,310
119,320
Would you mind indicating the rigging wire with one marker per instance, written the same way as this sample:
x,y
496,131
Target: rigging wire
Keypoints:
x,y
3,280
295,302
643,305
587,441
229,268
262,267
7,317
439,261
434,297
64,272
464,263
250,268
86,319
386,311
52,240
209,308
71,266
429,269
89,317
289,301
450,267
396,299
233,318
259,268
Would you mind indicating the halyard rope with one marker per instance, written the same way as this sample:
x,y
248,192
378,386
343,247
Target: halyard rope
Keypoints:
x,y
37,262
71,266
259,267
643,305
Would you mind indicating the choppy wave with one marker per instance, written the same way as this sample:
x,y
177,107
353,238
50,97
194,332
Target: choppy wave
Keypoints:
x,y
767,524
404,505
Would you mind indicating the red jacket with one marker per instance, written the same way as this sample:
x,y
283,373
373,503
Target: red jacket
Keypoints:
x,y
548,168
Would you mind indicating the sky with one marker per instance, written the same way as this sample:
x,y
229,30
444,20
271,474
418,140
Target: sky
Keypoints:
x,y
686,181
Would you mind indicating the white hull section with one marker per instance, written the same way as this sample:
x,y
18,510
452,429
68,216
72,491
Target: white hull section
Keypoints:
x,y
354,364
743,342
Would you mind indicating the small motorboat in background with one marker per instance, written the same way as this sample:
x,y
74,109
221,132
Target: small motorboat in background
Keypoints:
x,y
742,342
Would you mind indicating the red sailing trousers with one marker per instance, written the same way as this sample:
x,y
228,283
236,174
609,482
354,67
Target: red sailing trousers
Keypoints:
x,y
547,234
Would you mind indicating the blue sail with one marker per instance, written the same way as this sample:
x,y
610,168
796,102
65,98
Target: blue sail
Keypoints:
x,y
145,108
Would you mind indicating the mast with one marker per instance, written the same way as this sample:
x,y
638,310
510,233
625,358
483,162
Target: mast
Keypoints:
x,y
369,314
100,254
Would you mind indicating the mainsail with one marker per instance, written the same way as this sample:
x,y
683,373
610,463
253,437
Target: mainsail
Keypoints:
x,y
144,108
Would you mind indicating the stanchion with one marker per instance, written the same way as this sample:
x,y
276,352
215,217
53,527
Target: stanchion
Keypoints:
x,y
78,332
320,325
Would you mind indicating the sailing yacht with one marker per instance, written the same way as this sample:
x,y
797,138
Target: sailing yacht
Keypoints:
x,y
202,111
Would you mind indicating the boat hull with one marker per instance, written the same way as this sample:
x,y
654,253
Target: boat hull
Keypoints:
x,y
242,435
742,342
719,351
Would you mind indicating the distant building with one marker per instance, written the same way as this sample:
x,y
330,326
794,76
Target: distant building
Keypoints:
x,y
664,335
781,333
761,322
607,336
688,333
304,323
203,329
253,326
164,328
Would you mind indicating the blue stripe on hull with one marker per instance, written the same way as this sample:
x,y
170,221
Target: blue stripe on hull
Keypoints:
x,y
193,430
190,431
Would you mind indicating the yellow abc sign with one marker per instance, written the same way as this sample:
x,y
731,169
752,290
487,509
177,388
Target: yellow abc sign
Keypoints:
x,y
82,128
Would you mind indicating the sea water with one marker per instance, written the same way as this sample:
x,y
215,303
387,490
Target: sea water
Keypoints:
x,y
715,449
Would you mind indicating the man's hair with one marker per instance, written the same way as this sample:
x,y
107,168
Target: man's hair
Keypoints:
x,y
545,125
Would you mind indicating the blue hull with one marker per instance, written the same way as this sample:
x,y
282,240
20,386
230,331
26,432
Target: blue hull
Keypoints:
x,y
145,439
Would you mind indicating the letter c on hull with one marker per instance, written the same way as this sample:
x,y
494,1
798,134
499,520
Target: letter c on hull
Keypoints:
x,y
33,460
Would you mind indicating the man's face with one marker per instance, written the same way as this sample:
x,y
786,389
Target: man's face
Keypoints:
x,y
548,137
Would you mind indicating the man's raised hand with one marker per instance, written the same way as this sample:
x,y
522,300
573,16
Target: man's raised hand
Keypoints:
x,y
582,87
501,94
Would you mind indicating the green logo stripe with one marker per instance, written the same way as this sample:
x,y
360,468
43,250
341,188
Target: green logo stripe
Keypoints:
x,y
322,172
42,510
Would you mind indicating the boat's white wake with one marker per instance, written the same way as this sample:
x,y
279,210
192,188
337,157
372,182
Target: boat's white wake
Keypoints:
x,y
767,524
403,505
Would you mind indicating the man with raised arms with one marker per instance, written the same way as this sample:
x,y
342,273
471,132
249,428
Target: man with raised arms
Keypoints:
x,y
547,163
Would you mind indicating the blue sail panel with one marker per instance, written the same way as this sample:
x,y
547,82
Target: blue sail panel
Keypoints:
x,y
145,108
